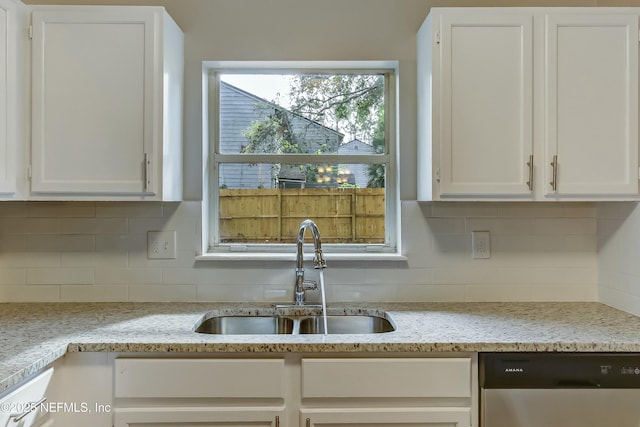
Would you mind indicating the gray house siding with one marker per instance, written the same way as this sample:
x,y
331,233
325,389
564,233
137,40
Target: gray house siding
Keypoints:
x,y
360,171
238,109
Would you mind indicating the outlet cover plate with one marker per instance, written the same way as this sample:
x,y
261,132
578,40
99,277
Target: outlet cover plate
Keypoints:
x,y
480,244
161,245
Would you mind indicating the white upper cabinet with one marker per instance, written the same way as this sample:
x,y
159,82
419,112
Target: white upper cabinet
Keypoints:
x,y
591,105
486,104
528,104
11,14
106,103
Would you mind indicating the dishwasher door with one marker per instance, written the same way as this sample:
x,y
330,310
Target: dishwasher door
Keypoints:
x,y
559,390
560,408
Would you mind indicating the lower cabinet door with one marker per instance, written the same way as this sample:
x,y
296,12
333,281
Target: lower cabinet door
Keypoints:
x,y
386,417
26,406
197,416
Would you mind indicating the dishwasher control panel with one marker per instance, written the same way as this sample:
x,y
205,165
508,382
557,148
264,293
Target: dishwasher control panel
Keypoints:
x,y
559,370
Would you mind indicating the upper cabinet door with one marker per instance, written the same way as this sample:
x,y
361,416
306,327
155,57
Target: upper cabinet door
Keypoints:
x,y
591,105
8,119
486,89
107,103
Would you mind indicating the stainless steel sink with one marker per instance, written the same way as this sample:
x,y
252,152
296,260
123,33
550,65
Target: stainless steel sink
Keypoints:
x,y
360,324
266,325
246,325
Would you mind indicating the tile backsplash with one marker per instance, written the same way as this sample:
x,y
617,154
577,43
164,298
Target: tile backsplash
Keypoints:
x,y
96,251
619,255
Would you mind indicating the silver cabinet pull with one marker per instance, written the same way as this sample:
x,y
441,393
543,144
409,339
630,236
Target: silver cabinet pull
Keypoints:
x,y
277,421
530,164
308,422
554,179
16,418
147,172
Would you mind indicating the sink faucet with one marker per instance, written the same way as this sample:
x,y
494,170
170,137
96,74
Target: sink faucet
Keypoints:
x,y
302,285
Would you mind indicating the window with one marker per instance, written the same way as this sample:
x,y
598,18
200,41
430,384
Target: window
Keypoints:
x,y
290,142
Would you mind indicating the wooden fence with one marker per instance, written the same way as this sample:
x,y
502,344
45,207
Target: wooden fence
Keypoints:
x,y
343,215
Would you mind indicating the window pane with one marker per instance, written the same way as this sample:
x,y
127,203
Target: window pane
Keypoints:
x,y
265,203
301,113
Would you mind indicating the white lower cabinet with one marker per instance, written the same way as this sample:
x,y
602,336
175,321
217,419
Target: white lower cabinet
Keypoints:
x,y
388,392
26,405
292,390
199,392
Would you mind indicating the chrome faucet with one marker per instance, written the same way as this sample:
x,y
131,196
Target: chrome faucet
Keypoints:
x,y
302,285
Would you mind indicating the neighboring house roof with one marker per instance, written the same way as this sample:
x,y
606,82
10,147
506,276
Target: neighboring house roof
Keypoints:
x,y
355,146
238,109
293,117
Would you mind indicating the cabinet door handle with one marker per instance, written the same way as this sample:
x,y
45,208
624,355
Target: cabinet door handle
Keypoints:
x,y
530,164
308,422
32,406
554,178
277,421
147,172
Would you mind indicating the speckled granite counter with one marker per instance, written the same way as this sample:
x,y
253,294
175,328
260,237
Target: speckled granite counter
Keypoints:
x,y
34,335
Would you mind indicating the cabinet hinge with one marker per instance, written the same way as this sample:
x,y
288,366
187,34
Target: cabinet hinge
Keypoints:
x,y
438,37
147,172
29,172
437,173
30,35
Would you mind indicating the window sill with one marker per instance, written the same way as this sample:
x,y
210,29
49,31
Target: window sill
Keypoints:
x,y
329,257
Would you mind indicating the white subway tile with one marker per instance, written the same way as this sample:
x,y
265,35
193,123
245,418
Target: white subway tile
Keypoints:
x,y
93,226
439,226
497,293
29,293
9,226
61,209
60,276
13,209
431,293
162,293
129,276
563,292
565,226
121,243
13,276
29,259
129,209
60,243
531,210
93,293
94,259
226,293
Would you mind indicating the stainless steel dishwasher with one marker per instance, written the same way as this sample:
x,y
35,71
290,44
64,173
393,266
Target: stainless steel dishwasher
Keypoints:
x,y
559,390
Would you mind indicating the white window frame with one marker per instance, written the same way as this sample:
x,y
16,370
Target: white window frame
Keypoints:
x,y
212,249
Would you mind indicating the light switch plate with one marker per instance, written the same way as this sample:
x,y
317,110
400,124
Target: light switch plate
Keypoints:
x,y
161,245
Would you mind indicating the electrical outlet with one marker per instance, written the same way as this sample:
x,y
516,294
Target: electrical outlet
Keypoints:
x,y
480,244
161,245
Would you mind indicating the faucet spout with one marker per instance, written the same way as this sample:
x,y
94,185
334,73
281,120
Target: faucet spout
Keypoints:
x,y
318,260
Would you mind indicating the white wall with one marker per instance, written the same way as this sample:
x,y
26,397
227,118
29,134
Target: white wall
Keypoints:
x,y
97,251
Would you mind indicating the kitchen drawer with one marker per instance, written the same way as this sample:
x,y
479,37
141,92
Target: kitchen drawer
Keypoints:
x,y
386,378
199,378
25,399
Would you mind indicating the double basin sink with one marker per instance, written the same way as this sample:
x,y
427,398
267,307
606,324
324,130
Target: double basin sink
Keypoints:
x,y
294,324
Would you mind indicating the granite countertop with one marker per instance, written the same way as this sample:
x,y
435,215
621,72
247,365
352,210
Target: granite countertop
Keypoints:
x,y
34,335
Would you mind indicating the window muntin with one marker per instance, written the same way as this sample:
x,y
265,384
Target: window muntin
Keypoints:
x,y
295,155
